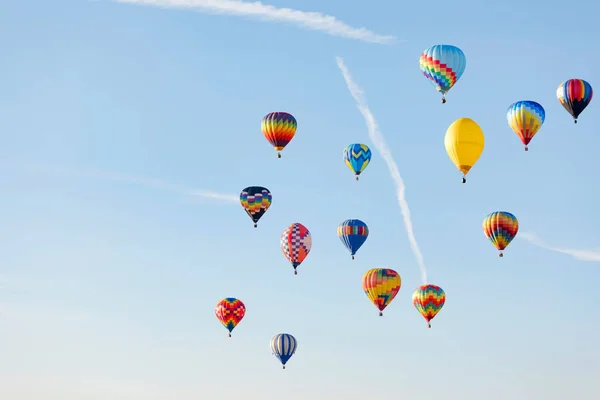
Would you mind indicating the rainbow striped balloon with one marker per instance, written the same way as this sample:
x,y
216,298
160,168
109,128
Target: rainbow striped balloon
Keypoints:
x,y
357,156
500,227
279,129
381,285
230,312
256,200
429,300
526,117
443,65
574,95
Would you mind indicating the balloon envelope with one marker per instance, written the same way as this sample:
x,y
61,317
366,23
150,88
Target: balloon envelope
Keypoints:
x,y
429,300
353,233
256,200
443,65
381,285
296,242
283,346
574,95
357,156
464,143
279,129
230,312
500,227
525,118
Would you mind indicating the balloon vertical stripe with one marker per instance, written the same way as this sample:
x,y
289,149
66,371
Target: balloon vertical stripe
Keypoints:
x,y
574,95
283,346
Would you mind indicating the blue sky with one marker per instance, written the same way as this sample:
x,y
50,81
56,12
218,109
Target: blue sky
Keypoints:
x,y
120,123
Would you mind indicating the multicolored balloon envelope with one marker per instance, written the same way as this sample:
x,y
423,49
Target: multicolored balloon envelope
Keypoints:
x,y
256,200
428,300
353,233
443,65
283,346
357,156
526,117
279,129
500,227
574,95
230,312
464,143
296,243
381,285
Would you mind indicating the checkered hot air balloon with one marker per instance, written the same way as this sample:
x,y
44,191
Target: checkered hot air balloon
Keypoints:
x,y
283,346
357,156
429,300
574,95
256,200
443,65
500,227
230,312
381,285
526,117
296,243
279,128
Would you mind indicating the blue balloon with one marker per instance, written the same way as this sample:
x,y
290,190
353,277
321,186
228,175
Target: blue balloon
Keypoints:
x,y
283,346
353,233
357,156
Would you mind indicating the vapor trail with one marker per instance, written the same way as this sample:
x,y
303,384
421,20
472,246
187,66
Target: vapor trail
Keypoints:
x,y
381,146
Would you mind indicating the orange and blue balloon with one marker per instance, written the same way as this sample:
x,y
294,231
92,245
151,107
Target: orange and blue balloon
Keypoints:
x,y
283,346
357,156
429,300
381,285
353,233
574,95
500,227
443,65
230,312
526,117
256,200
279,129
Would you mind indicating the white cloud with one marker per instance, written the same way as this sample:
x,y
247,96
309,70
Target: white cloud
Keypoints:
x,y
315,21
379,142
582,255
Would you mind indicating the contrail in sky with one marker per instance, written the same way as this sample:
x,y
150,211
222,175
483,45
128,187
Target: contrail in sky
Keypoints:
x,y
379,142
314,21
581,255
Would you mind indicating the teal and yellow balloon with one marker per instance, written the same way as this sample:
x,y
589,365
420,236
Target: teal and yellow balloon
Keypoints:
x,y
357,156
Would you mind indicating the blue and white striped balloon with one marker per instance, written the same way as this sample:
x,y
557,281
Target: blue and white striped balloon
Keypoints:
x,y
283,346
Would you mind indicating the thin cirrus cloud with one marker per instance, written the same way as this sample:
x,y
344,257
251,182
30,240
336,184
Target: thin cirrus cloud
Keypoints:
x,y
381,145
581,255
315,21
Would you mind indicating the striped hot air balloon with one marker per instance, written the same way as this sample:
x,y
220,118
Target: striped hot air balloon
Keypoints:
x,y
279,129
283,346
429,300
500,227
353,233
230,312
574,95
381,285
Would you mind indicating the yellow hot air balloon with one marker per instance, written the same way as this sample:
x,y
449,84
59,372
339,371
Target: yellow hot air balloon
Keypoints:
x,y
464,144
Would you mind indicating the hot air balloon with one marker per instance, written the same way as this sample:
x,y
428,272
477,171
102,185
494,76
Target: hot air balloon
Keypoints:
x,y
525,118
357,156
381,285
256,200
353,233
279,128
296,243
283,346
464,143
500,227
574,95
429,300
443,65
230,312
